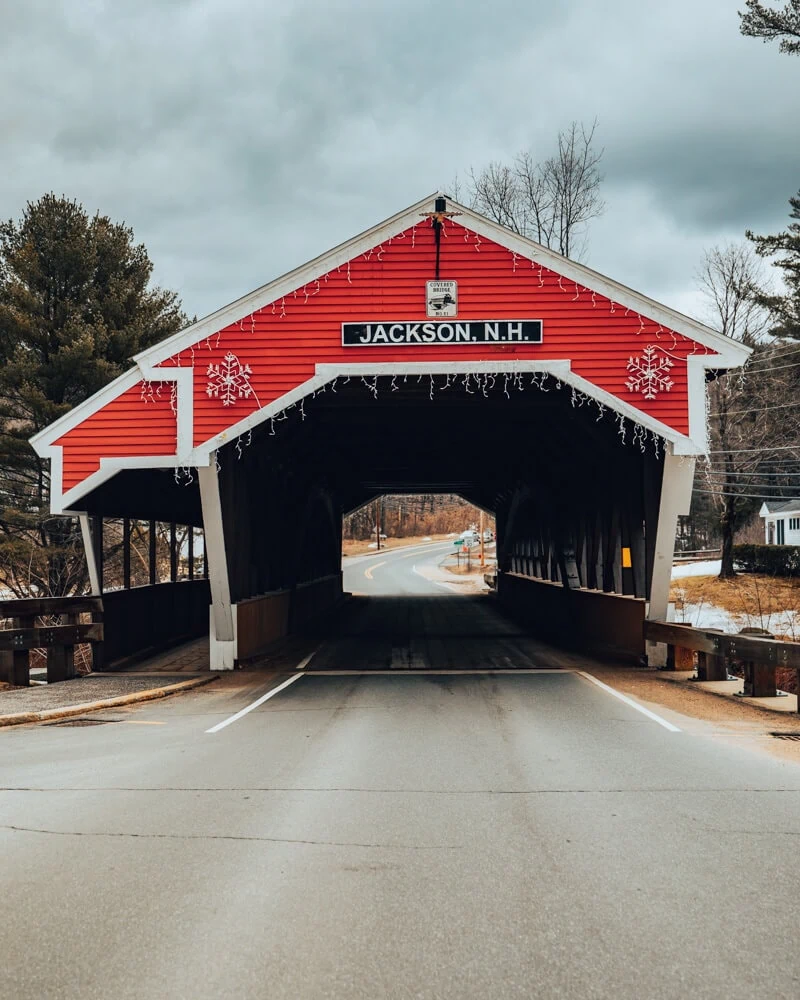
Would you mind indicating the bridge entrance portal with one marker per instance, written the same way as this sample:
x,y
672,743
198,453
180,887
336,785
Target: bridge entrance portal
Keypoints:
x,y
437,352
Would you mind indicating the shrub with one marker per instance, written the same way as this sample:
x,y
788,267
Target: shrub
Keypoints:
x,y
774,560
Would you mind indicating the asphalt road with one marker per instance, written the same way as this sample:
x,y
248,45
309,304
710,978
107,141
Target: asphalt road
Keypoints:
x,y
396,835
396,571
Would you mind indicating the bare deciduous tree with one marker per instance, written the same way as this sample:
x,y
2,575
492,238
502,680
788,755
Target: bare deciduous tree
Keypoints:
x,y
748,411
551,201
408,515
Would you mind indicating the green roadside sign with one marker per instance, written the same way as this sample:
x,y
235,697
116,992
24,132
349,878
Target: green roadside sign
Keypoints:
x,y
458,541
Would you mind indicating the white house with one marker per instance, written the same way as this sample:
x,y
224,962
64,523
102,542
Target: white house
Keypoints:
x,y
781,521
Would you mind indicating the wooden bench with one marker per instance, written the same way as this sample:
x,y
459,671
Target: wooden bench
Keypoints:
x,y
760,656
59,640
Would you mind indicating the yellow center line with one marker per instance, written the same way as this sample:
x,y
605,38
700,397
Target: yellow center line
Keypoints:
x,y
368,572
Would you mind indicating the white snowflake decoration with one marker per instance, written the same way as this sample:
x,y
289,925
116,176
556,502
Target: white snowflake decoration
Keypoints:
x,y
229,380
649,374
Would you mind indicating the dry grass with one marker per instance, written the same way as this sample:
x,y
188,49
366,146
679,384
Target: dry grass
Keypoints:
x,y
742,594
474,569
752,597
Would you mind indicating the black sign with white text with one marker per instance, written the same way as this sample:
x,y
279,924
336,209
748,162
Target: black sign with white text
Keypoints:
x,y
495,331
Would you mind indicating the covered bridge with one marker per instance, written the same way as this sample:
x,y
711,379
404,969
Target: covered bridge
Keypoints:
x,y
436,352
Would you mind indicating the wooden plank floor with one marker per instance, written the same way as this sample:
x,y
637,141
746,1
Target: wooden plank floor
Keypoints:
x,y
429,633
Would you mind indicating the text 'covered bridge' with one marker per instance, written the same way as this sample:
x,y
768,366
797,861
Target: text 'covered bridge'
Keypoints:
x,y
437,352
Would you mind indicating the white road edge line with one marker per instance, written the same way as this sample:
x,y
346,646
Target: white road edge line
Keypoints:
x,y
630,701
265,697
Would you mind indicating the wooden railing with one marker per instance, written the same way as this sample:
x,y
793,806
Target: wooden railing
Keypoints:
x,y
696,555
760,657
59,641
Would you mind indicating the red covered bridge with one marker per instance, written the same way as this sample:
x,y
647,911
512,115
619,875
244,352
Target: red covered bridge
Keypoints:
x,y
383,366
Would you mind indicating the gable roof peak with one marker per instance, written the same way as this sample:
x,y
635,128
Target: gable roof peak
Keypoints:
x,y
731,353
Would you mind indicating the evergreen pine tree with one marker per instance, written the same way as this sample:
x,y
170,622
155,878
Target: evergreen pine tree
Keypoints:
x,y
75,306
760,21
785,248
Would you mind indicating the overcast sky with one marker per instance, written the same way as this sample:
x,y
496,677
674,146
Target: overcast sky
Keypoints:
x,y
240,138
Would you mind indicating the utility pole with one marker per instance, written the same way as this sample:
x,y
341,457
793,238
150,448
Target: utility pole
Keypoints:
x,y
378,523
483,560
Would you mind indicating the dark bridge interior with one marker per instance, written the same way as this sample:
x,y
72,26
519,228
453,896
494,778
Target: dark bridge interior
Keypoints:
x,y
575,505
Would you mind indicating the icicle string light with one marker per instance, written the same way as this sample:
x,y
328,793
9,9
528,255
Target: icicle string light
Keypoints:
x,y
472,383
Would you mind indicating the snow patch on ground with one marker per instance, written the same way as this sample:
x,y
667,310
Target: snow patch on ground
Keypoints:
x,y
703,615
708,567
706,616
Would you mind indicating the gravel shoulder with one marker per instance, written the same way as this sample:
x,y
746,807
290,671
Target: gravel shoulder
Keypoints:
x,y
79,691
731,718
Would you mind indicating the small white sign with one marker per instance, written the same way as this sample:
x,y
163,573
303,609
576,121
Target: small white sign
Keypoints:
x,y
441,298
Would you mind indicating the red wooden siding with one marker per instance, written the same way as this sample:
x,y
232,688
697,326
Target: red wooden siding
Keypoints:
x,y
284,341
140,422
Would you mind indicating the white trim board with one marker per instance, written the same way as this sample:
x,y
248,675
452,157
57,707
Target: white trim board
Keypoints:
x,y
202,455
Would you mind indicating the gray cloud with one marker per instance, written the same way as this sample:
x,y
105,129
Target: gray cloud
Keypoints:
x,y
241,139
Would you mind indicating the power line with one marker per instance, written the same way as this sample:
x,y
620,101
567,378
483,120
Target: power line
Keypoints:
x,y
742,496
722,471
749,451
759,463
750,486
794,349
781,354
757,370
761,409
749,475
717,474
721,488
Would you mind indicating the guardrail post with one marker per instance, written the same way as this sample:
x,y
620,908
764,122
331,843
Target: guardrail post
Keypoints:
x,y
679,658
759,680
711,667
61,658
15,663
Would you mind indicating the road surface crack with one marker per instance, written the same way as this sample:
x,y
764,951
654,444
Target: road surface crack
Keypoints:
x,y
406,791
225,836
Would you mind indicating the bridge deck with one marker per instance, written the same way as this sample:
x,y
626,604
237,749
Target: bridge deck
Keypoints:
x,y
429,633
